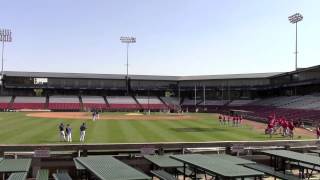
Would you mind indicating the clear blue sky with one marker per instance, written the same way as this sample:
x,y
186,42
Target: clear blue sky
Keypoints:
x,y
174,37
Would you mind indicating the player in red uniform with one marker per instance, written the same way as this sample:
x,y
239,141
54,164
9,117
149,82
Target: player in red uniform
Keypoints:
x,y
220,119
284,125
269,129
224,120
238,120
318,132
233,120
291,128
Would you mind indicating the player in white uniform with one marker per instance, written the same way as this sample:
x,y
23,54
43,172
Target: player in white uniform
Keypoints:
x,y
61,132
83,129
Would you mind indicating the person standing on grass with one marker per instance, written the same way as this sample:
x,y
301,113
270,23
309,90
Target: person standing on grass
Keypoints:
x,y
318,132
69,133
93,115
270,129
83,128
61,132
291,128
98,115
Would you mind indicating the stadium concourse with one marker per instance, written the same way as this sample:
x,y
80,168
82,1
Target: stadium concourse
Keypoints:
x,y
136,152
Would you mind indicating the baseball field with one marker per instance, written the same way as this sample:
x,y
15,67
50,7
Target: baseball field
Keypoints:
x,y
42,128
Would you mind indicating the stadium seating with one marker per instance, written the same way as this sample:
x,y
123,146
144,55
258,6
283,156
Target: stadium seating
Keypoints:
x,y
214,102
122,103
64,103
171,102
241,102
23,102
276,101
5,102
305,102
190,102
292,107
152,103
94,102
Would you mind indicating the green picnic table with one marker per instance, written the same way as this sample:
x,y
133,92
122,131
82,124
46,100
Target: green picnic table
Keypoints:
x,y
280,157
228,158
221,169
294,156
15,165
18,176
109,168
163,161
317,151
78,165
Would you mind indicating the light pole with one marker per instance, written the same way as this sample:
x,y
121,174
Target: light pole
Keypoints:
x,y
294,19
5,36
127,40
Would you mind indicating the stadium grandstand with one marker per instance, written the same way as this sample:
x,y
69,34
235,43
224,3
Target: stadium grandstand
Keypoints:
x,y
261,93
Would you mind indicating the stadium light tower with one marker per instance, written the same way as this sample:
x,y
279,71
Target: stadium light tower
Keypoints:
x,y
294,19
127,40
5,36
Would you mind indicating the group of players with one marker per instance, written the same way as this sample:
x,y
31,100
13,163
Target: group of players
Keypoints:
x,y
286,127
226,119
65,133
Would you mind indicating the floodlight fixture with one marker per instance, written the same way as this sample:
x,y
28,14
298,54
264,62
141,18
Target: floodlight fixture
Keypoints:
x,y
294,19
5,37
128,40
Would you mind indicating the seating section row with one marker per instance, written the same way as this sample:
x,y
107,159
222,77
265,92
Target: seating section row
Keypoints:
x,y
75,103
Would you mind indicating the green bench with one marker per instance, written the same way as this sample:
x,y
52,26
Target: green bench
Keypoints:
x,y
190,173
270,171
163,175
61,176
306,166
18,176
43,174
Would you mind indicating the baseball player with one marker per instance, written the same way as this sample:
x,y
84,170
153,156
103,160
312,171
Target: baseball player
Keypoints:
x,y
69,133
291,128
61,132
220,119
318,132
83,128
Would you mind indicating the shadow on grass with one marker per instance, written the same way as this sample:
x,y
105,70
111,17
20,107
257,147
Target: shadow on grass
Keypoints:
x,y
192,129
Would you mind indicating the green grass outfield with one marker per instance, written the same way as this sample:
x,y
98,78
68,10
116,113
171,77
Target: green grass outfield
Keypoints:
x,y
17,128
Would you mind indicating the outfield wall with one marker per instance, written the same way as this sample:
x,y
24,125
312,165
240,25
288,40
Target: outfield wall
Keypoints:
x,y
122,147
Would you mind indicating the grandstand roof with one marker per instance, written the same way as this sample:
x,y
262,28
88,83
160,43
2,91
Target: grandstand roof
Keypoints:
x,y
86,75
137,77
299,70
230,76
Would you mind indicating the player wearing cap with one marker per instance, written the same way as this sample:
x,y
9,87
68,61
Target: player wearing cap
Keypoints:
x,y
69,133
61,132
83,129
